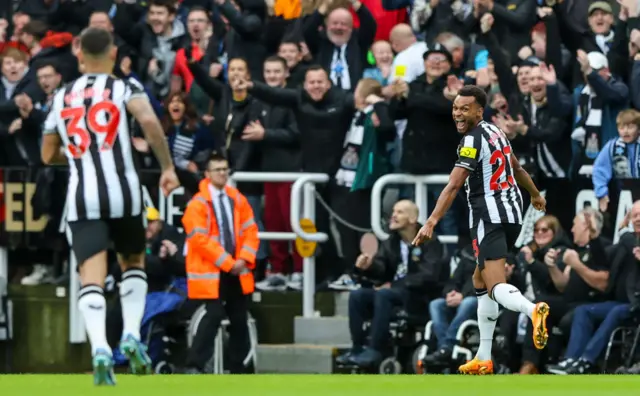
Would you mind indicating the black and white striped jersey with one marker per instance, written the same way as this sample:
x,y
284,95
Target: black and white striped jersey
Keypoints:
x,y
90,115
492,192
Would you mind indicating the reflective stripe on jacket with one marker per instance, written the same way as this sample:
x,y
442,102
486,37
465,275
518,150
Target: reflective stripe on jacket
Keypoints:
x,y
206,256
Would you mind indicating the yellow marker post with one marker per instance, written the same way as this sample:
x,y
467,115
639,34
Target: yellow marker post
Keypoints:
x,y
306,248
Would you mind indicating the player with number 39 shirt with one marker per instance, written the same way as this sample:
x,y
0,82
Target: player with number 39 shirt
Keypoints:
x,y
491,174
88,126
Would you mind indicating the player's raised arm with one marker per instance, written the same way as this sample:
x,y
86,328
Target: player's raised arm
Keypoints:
x,y
523,179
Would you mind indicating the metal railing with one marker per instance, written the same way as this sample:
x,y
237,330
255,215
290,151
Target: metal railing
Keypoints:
x,y
420,183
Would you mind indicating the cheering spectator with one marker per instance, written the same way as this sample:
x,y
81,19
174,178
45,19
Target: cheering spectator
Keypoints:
x,y
618,157
383,55
275,131
622,289
408,63
429,132
339,49
244,39
548,238
597,104
291,51
156,41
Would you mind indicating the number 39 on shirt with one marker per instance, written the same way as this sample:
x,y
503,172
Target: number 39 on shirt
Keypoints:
x,y
73,115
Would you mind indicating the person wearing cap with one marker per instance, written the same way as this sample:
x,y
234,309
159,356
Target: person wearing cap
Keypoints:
x,y
164,258
429,141
596,106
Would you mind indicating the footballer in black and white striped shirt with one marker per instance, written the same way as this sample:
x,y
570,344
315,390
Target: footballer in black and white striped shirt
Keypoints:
x,y
88,127
491,174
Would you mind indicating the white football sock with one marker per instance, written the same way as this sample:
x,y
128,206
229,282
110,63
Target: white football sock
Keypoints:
x,y
510,297
487,317
133,296
93,307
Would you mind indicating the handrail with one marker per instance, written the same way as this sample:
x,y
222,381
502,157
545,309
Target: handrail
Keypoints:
x,y
420,182
277,177
296,193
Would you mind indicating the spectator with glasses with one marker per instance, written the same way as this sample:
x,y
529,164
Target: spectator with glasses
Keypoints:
x,y
547,239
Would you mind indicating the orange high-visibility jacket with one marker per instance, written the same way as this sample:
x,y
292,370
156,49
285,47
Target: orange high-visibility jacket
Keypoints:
x,y
206,256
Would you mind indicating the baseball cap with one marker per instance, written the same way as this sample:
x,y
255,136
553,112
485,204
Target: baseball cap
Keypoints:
x,y
152,214
597,60
600,5
438,48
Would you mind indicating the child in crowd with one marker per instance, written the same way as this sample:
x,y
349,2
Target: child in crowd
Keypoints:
x,y
619,158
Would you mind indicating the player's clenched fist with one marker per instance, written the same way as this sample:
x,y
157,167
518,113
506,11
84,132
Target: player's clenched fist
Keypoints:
x,y
539,203
169,181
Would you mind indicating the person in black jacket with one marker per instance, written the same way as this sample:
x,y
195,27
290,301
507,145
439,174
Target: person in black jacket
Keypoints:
x,y
548,237
274,132
232,116
430,139
458,304
339,49
622,292
402,272
324,114
245,37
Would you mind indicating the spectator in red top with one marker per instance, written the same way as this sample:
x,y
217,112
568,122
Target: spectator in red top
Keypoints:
x,y
385,19
200,30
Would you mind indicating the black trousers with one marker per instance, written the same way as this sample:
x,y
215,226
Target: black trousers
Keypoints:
x,y
558,308
235,308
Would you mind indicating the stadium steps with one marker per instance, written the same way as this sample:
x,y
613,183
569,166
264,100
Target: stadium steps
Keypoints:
x,y
329,331
297,358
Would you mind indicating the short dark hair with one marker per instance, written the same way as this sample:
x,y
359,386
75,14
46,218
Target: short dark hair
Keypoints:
x,y
316,67
276,58
170,5
36,28
49,63
477,92
95,41
292,42
217,157
198,8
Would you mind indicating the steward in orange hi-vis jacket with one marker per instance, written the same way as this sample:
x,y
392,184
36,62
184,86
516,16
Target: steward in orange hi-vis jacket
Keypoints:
x,y
206,256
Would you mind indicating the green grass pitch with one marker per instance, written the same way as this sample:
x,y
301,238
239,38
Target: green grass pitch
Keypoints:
x,y
321,385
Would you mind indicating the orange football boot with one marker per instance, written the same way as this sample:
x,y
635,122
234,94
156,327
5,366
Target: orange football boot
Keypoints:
x,y
477,367
539,321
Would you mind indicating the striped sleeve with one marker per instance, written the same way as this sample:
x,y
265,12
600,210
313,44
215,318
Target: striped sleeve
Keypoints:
x,y
50,126
134,89
469,151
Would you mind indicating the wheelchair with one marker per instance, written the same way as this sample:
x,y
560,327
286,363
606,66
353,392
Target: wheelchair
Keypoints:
x,y
468,340
624,339
217,363
405,332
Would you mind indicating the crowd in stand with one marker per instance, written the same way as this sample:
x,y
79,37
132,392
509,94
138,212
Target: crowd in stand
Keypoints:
x,y
357,89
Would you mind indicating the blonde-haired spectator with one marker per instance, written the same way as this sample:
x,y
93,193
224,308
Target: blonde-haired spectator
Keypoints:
x,y
383,54
619,158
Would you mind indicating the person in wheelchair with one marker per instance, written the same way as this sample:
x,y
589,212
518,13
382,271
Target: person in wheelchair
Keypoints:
x,y
620,284
401,272
458,305
164,262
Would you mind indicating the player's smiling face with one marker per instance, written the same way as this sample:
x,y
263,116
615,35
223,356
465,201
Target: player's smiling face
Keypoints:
x,y
466,113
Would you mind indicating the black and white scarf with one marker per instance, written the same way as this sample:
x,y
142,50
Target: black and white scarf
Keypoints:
x,y
589,125
623,166
352,143
605,41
